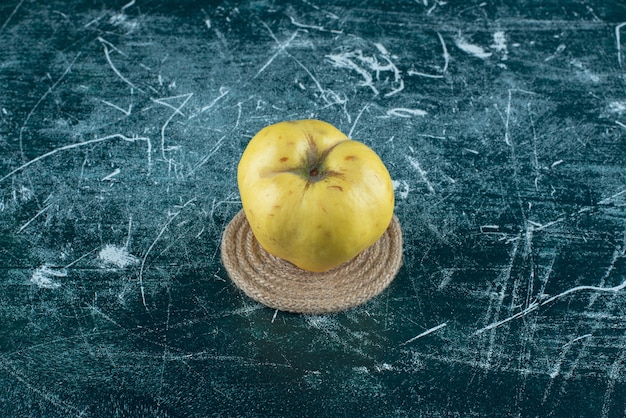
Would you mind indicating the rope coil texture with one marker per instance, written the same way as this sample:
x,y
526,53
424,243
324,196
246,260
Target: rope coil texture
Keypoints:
x,y
281,285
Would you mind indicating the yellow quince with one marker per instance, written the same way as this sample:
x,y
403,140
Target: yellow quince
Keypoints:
x,y
311,195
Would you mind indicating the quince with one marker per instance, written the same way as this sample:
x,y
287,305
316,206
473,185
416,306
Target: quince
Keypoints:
x,y
311,195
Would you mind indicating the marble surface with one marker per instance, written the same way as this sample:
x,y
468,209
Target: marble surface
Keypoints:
x,y
502,123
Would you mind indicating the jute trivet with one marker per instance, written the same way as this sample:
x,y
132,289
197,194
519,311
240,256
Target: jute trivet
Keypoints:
x,y
281,285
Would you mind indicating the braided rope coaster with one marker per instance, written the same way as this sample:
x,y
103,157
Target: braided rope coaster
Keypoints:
x,y
281,285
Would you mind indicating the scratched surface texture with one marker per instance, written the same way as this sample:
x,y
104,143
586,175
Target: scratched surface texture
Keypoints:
x,y
503,124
